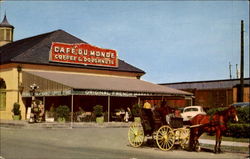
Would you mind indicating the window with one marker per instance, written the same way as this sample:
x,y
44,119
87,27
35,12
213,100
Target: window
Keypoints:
x,y
8,34
191,110
2,95
1,34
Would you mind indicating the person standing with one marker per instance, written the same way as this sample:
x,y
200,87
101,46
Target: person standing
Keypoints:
x,y
126,117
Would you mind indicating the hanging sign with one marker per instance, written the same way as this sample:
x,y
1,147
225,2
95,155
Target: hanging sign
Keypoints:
x,y
83,54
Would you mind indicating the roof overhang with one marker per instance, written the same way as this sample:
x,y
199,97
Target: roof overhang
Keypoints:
x,y
82,84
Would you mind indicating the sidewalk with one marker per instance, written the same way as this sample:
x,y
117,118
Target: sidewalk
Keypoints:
x,y
225,143
69,125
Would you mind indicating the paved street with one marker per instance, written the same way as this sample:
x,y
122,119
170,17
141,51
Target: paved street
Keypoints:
x,y
84,143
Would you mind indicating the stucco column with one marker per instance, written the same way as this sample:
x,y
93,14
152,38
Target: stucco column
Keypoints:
x,y
108,108
72,109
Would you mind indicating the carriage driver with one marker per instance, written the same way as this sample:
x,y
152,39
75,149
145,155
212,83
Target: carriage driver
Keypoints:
x,y
147,105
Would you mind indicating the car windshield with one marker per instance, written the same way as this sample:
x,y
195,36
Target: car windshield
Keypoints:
x,y
180,109
191,110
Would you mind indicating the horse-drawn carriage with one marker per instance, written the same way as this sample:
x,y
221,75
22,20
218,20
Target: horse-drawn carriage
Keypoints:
x,y
167,134
154,125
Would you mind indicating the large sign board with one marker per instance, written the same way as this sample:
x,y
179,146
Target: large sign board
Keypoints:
x,y
83,54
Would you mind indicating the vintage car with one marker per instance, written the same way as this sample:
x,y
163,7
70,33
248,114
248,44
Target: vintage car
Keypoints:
x,y
241,104
191,111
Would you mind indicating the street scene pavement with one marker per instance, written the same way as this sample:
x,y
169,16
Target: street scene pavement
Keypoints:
x,y
108,141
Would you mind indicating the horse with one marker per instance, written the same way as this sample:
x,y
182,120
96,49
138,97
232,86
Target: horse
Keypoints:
x,y
211,123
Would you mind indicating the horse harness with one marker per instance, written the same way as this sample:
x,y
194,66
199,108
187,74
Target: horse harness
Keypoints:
x,y
213,122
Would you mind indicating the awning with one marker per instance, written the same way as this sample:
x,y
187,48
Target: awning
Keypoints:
x,y
82,84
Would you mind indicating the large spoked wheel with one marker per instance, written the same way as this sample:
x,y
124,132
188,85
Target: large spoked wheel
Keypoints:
x,y
165,138
184,137
135,134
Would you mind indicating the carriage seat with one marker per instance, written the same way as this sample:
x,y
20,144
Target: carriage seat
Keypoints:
x,y
147,119
152,119
176,122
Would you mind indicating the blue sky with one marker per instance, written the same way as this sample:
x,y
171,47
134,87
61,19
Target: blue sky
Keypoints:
x,y
172,41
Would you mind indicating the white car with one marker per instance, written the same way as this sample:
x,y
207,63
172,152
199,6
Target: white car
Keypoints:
x,y
191,111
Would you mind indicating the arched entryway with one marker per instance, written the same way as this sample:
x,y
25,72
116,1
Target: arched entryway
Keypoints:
x,y
2,95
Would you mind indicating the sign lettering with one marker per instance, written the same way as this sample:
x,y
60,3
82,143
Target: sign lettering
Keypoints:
x,y
84,54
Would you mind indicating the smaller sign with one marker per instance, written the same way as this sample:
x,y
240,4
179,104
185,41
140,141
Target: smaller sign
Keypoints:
x,y
83,54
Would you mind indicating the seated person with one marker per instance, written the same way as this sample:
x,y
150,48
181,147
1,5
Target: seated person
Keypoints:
x,y
175,114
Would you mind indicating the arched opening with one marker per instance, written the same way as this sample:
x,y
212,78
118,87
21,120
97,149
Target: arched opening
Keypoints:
x,y
2,95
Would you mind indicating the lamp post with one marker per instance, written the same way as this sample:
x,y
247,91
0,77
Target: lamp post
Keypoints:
x,y
33,89
33,116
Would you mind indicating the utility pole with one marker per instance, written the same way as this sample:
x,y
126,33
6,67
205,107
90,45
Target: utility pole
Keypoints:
x,y
241,91
230,70
237,72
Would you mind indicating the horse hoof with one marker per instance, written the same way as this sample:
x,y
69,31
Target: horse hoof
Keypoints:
x,y
216,152
190,149
198,149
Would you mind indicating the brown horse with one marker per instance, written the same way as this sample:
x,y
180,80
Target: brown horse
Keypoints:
x,y
215,123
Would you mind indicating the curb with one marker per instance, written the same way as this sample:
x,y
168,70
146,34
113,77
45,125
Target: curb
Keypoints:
x,y
225,143
25,124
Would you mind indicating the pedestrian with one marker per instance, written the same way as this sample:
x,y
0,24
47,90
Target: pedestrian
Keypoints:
x,y
126,117
41,112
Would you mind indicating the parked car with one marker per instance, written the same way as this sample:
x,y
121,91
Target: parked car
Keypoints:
x,y
180,109
191,111
241,104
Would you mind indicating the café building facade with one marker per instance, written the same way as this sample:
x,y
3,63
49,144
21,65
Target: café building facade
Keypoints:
x,y
69,71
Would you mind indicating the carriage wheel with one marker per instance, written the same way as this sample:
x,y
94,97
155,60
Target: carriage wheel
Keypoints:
x,y
165,138
184,140
135,134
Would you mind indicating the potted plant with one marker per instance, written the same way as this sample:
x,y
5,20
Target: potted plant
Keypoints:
x,y
62,113
136,112
98,111
16,111
50,115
